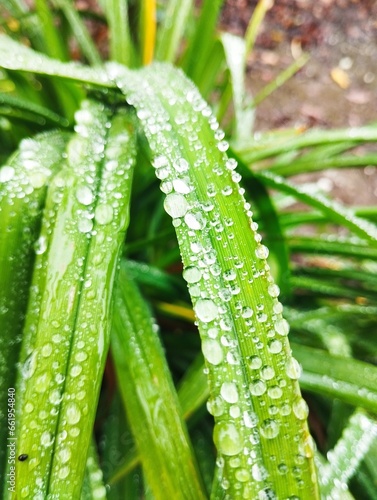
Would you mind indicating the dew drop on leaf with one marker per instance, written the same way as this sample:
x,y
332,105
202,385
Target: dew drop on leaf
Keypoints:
x,y
73,413
270,428
255,362
175,205
212,351
282,327
104,214
206,310
293,369
227,438
300,408
84,195
257,387
261,252
229,392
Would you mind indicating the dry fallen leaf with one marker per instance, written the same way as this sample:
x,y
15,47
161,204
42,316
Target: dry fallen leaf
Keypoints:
x,y
340,77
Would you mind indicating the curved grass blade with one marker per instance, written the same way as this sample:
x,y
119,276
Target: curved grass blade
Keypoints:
x,y
254,399
333,211
244,111
149,398
52,40
66,335
347,454
171,31
347,379
348,247
147,30
15,56
121,48
23,185
43,113
80,32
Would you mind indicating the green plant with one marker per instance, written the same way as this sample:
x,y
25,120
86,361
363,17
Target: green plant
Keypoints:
x,y
101,136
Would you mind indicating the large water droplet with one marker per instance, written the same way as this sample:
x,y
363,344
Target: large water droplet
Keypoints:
x,y
175,205
212,351
293,369
255,362
270,428
282,327
227,438
300,409
6,173
104,214
229,392
216,406
257,387
73,413
84,195
206,310
40,246
261,252
267,372
181,165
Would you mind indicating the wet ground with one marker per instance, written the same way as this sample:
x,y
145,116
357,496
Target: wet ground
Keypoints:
x,y
336,88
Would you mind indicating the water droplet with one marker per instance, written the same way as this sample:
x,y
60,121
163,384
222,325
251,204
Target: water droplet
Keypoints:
x,y
85,225
6,173
212,351
104,214
282,469
64,455
255,362
40,246
229,392
293,369
275,346
223,146
63,472
175,205
216,406
76,370
181,165
270,428
242,475
247,312
273,290
46,350
275,392
180,186
206,310
257,387
194,221
84,195
229,275
250,419
47,439
29,407
300,408
231,164
261,252
267,372
234,411
73,413
42,382
282,327
227,438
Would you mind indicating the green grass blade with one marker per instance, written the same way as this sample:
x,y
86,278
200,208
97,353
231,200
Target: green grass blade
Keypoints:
x,y
350,380
347,247
235,54
150,400
333,211
41,113
68,320
351,136
23,184
15,56
53,42
245,345
255,23
171,31
347,454
80,32
121,48
200,46
93,487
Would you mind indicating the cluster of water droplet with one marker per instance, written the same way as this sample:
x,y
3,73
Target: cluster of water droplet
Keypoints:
x,y
234,297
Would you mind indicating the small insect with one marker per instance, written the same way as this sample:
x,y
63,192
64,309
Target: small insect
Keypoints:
x,y
22,457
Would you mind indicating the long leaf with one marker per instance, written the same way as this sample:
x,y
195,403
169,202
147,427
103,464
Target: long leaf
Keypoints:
x,y
227,288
